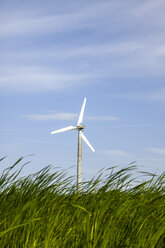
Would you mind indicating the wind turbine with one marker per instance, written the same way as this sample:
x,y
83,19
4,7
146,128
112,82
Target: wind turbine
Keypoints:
x,y
81,136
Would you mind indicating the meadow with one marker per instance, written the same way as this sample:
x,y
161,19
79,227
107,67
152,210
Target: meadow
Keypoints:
x,y
44,209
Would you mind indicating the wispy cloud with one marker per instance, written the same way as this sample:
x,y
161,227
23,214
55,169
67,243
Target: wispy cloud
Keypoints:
x,y
118,48
134,125
26,79
91,15
116,153
150,9
160,151
159,51
57,116
40,25
157,95
102,118
83,16
151,95
52,23
140,52
68,116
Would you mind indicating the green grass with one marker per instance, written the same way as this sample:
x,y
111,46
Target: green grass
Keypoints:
x,y
44,210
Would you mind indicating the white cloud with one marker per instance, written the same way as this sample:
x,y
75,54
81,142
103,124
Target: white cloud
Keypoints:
x,y
102,118
160,151
103,49
138,53
154,95
122,14
15,24
57,116
159,51
35,26
135,125
150,9
68,116
29,79
118,48
117,153
157,95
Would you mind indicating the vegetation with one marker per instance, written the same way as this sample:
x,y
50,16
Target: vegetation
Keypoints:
x,y
44,210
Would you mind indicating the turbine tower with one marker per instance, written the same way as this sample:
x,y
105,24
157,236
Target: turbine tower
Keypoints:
x,y
81,136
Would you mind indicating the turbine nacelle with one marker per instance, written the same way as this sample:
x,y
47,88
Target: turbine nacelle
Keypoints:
x,y
80,127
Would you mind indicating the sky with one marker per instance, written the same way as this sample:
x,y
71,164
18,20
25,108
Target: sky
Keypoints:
x,y
55,53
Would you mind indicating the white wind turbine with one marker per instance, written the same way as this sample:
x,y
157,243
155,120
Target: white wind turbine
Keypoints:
x,y
80,137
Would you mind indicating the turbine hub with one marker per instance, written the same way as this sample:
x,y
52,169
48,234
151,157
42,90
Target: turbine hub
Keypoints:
x,y
80,127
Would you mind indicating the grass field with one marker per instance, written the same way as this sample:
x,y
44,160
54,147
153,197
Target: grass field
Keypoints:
x,y
113,211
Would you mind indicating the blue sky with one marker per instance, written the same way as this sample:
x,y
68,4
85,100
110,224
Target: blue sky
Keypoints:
x,y
55,53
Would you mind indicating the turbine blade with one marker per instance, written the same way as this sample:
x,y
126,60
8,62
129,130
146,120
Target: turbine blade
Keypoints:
x,y
81,113
64,129
87,142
